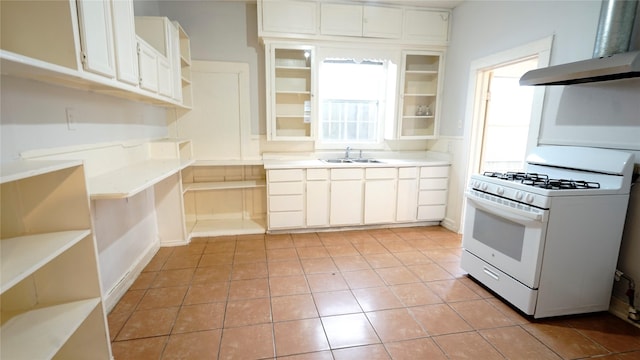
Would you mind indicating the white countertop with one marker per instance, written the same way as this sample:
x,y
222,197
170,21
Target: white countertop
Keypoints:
x,y
387,159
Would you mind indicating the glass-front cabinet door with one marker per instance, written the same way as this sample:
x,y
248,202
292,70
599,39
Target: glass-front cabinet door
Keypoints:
x,y
290,92
419,98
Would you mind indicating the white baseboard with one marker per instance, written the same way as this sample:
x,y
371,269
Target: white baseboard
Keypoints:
x,y
178,242
449,224
620,308
120,288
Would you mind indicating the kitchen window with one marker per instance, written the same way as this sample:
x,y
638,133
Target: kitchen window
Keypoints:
x,y
356,97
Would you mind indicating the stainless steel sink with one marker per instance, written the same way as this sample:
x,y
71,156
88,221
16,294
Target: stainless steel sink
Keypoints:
x,y
349,161
371,161
338,161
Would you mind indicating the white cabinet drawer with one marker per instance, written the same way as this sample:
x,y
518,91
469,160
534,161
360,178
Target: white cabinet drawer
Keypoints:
x,y
285,175
288,219
433,184
515,292
285,203
432,197
407,173
434,171
285,188
380,173
431,212
346,174
317,174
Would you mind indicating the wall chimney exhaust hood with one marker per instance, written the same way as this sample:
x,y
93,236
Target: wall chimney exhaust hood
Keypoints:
x,y
611,58
617,66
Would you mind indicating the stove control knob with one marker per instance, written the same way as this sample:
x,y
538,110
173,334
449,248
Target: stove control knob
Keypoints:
x,y
529,198
500,190
519,195
484,186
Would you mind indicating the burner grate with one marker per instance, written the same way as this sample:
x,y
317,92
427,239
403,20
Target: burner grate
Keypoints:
x,y
519,176
543,181
562,184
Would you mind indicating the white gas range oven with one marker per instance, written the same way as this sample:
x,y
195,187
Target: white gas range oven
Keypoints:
x,y
547,240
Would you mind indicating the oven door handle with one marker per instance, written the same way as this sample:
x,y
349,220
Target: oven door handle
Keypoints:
x,y
504,211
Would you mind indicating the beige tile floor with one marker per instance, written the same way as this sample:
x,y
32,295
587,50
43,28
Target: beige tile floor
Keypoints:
x,y
376,294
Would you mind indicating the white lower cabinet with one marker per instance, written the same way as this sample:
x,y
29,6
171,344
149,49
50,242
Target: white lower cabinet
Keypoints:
x,y
324,197
380,195
317,199
407,199
285,198
432,197
346,197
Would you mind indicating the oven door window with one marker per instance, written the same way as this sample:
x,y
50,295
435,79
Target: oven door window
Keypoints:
x,y
500,234
506,237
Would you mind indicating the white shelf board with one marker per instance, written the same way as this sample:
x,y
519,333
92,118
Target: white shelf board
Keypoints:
x,y
22,256
426,95
207,228
293,92
26,67
281,67
422,72
224,185
41,333
425,117
290,116
130,180
22,169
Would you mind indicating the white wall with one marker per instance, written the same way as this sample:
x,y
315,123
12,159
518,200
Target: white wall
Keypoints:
x,y
225,31
603,114
33,116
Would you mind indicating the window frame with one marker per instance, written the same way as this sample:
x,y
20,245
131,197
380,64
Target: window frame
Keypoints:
x,y
387,106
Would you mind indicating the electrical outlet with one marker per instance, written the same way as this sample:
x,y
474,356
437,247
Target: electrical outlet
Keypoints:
x,y
450,147
71,118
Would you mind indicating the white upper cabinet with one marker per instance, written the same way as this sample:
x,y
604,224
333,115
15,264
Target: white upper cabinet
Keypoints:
x,y
148,66
361,21
382,22
287,16
331,20
124,39
31,29
165,77
96,36
290,86
420,86
426,26
91,44
341,19
162,34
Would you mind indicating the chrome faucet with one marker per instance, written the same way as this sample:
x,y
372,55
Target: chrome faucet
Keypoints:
x,y
346,152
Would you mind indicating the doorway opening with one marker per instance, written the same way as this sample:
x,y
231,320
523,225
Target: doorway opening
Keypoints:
x,y
503,118
496,67
507,116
